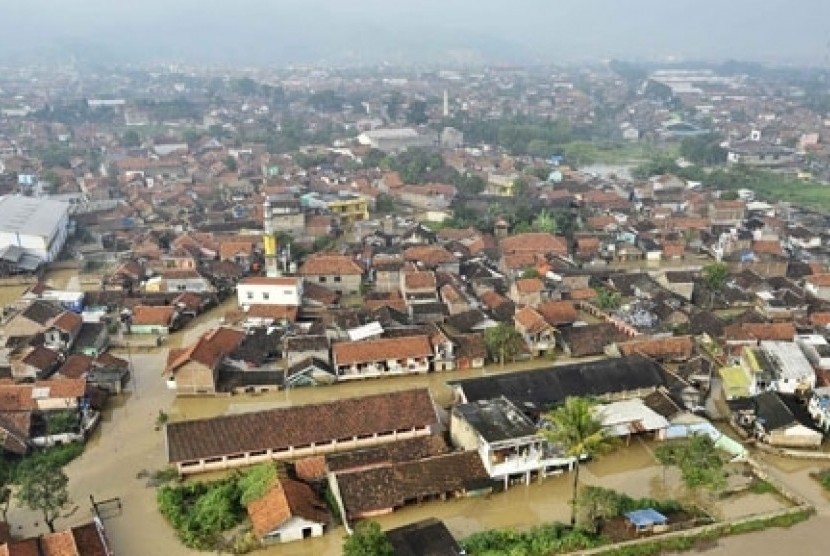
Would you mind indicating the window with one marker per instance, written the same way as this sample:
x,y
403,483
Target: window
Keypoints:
x,y
337,278
322,279
250,295
287,292
266,296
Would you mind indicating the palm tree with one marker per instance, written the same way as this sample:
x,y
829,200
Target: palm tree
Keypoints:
x,y
575,426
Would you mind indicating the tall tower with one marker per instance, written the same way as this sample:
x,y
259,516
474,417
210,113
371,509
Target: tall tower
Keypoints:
x,y
269,242
446,104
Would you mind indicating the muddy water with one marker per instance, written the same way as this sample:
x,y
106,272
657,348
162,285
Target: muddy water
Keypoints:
x,y
10,294
126,444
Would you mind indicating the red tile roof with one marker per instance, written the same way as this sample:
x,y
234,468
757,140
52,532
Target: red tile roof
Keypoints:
x,y
558,312
529,285
286,499
265,281
348,353
534,242
330,263
152,315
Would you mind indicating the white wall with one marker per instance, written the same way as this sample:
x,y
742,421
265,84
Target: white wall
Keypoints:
x,y
292,530
249,294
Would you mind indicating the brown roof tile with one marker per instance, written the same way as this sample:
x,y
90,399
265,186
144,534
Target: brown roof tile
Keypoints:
x,y
330,263
348,353
534,242
423,279
387,487
529,285
673,348
558,312
152,315
282,428
286,499
430,255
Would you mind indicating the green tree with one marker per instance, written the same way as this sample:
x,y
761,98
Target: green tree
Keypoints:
x,y
545,222
417,113
255,482
531,273
503,341
700,462
131,138
367,540
715,275
728,196
43,488
520,187
230,163
607,300
575,426
594,504
703,149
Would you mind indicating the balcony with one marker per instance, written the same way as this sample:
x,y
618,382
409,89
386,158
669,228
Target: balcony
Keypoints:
x,y
523,461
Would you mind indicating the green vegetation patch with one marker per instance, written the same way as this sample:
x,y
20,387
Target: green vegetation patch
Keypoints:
x,y
201,512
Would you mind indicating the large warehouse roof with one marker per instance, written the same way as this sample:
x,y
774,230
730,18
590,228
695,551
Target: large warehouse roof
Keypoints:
x,y
30,215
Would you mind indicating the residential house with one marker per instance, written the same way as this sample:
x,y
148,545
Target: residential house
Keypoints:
x,y
558,313
148,319
428,536
455,300
777,420
178,281
62,331
93,338
537,333
288,511
34,362
534,243
661,348
34,319
382,357
591,339
527,291
432,257
727,213
818,285
387,272
336,272
470,351
508,441
382,489
194,370
269,291
537,390
300,347
295,432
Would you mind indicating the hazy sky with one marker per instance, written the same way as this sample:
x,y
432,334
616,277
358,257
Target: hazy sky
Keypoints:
x,y
283,32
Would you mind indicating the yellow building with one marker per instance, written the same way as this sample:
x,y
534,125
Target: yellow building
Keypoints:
x,y
349,209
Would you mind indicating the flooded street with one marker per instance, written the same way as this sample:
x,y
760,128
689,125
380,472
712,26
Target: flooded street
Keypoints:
x,y
126,445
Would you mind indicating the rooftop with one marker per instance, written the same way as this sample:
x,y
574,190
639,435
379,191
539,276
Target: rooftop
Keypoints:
x,y
31,216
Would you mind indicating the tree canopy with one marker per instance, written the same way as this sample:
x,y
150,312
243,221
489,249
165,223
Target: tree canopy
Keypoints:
x,y
367,540
43,488
715,275
700,462
576,427
503,341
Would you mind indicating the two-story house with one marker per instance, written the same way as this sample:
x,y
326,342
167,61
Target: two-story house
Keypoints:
x,y
508,442
537,333
261,290
62,331
339,273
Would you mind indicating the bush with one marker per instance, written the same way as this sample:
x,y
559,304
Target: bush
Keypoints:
x,y
201,512
553,538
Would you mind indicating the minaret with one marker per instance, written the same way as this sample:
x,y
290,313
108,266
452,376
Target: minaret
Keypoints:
x,y
446,104
269,243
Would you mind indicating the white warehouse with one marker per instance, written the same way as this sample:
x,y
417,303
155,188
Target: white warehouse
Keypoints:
x,y
37,226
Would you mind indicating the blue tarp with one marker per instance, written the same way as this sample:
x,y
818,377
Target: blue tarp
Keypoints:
x,y
646,518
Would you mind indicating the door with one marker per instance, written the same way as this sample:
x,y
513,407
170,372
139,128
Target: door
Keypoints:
x,y
306,532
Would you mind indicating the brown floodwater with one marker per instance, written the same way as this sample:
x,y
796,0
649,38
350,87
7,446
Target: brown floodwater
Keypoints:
x,y
127,444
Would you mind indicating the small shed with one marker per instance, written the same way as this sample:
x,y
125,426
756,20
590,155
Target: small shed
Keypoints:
x,y
647,520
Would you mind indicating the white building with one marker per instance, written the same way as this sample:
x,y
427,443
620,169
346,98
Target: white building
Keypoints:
x,y
38,226
792,371
397,139
269,291
509,444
